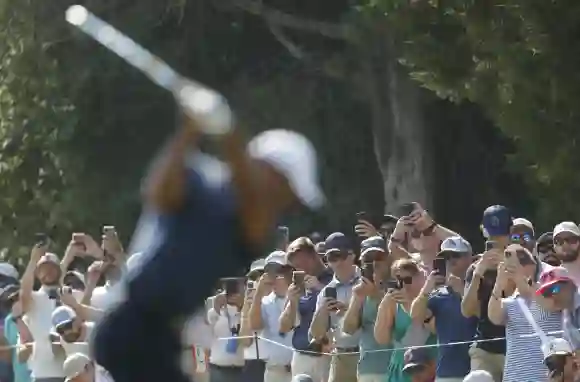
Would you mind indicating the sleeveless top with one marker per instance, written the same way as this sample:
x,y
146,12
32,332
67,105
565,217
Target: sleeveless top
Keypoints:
x,y
524,357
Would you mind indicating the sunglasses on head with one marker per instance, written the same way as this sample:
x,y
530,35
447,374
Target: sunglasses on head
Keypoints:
x,y
553,289
569,240
517,237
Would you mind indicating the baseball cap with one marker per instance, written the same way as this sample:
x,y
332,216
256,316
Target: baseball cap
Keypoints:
x,y
416,357
455,244
257,265
74,365
552,276
320,248
569,227
388,218
556,346
337,242
525,223
478,376
8,270
62,315
545,238
276,257
497,221
9,291
302,378
375,243
294,156
50,258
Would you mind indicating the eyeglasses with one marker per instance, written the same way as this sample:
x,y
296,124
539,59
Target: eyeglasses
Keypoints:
x,y
519,237
570,240
552,290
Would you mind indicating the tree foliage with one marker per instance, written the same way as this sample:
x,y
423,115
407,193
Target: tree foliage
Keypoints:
x,y
519,61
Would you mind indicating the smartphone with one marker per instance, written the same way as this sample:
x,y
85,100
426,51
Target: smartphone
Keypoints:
x,y
298,278
489,245
41,239
330,292
368,271
109,230
393,284
282,238
440,266
407,209
250,285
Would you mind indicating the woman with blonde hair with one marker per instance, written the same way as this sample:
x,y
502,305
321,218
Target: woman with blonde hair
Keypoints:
x,y
394,324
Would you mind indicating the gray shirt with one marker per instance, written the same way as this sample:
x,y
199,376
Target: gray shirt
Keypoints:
x,y
343,294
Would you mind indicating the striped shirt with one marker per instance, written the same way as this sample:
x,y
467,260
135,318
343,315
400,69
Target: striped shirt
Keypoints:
x,y
524,357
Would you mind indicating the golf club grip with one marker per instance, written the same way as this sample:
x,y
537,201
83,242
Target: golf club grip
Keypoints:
x,y
205,105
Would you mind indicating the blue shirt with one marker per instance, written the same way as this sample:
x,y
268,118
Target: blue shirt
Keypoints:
x,y
20,369
306,308
451,326
190,250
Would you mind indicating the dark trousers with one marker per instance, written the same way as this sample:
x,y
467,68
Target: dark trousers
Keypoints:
x,y
224,373
253,371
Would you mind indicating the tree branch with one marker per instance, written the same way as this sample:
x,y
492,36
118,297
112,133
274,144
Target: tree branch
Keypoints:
x,y
282,19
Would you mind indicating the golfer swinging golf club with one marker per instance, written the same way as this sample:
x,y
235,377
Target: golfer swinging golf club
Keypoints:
x,y
211,220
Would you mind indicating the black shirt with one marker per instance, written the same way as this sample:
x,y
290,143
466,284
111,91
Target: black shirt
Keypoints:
x,y
485,329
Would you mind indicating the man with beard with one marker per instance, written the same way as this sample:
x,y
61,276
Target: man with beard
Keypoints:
x,y
45,363
566,238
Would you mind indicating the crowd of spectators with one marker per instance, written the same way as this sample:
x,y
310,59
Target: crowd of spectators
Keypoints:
x,y
412,302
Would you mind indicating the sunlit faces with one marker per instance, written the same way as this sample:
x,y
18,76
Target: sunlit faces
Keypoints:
x,y
522,235
48,273
409,276
566,245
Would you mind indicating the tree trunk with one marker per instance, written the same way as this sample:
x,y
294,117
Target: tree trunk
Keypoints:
x,y
398,129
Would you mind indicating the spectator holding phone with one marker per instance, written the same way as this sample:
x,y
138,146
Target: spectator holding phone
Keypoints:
x,y
393,326
566,238
523,349
16,332
440,299
300,307
362,310
331,307
73,332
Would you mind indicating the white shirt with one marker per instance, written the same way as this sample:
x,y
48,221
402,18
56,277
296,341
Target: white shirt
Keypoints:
x,y
106,296
42,362
221,328
82,344
279,350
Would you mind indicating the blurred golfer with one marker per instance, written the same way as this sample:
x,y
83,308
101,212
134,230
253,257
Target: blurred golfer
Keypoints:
x,y
208,220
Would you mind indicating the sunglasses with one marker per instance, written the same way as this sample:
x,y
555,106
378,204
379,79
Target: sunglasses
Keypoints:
x,y
570,240
408,280
335,256
552,290
519,237
65,327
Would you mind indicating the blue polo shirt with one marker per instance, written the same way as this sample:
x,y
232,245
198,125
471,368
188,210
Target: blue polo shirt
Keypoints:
x,y
451,326
306,308
189,251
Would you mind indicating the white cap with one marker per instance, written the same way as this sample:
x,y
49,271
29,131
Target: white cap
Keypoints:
x,y
61,315
556,346
294,156
478,376
277,257
257,265
48,258
524,222
455,244
8,270
570,227
74,365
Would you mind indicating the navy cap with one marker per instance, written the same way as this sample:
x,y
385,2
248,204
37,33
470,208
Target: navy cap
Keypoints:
x,y
337,242
497,221
375,243
415,357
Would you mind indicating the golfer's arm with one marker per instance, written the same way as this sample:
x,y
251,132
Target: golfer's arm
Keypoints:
x,y
165,186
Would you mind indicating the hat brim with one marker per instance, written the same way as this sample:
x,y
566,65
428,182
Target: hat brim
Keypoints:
x,y
372,249
542,288
447,252
575,233
387,218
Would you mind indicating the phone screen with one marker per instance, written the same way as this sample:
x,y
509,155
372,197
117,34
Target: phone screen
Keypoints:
x,y
282,238
393,284
298,278
368,271
330,292
440,266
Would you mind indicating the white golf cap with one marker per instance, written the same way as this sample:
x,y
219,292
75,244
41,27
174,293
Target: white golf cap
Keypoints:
x,y
294,156
257,265
74,365
556,346
8,270
523,222
569,227
277,257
